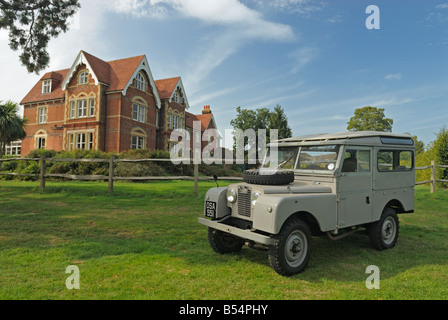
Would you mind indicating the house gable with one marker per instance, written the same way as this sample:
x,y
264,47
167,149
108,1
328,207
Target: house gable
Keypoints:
x,y
144,65
93,64
167,89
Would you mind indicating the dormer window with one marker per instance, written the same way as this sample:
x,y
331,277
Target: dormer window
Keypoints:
x,y
46,86
83,77
140,82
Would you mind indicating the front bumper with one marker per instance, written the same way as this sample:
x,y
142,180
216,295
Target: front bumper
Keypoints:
x,y
245,234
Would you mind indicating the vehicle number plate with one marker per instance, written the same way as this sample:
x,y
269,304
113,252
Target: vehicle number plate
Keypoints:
x,y
210,209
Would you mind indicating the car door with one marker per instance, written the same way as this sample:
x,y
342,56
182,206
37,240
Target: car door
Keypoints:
x,y
355,187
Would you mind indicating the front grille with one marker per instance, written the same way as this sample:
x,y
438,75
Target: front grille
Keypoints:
x,y
244,201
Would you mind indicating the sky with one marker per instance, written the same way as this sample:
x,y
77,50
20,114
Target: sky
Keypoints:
x,y
319,60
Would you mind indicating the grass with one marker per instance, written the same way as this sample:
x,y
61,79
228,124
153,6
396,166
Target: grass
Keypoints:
x,y
143,242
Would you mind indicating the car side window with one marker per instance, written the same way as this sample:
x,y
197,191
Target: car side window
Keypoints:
x,y
395,160
356,161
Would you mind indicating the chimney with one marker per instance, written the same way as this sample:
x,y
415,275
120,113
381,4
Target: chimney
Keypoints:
x,y
206,110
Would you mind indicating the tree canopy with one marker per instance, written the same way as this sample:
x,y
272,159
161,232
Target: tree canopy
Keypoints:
x,y
370,119
12,126
32,24
259,119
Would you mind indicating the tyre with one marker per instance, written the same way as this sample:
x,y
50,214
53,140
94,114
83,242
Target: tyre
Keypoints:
x,y
222,242
383,233
277,177
291,250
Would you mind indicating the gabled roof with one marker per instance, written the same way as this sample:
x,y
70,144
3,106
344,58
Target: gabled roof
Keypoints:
x,y
117,75
205,120
36,94
167,88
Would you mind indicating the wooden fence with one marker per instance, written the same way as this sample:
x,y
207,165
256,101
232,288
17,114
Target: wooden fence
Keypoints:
x,y
433,180
110,177
113,160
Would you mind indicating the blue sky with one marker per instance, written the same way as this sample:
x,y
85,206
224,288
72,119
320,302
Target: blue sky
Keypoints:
x,y
316,59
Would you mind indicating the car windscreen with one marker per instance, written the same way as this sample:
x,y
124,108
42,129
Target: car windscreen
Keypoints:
x,y
286,158
318,157
303,158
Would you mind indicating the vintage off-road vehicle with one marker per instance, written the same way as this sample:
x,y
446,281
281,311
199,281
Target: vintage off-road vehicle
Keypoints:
x,y
334,184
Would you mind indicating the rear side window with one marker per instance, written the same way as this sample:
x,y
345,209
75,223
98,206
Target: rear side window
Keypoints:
x,y
395,160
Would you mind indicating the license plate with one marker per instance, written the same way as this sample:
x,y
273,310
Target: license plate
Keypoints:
x,y
210,209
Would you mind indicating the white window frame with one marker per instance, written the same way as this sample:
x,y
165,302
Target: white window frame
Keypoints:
x,y
138,142
83,77
140,82
91,107
82,108
42,115
81,140
71,141
46,86
72,110
41,141
138,112
176,122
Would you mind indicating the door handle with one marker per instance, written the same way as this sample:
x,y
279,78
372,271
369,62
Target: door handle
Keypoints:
x,y
368,200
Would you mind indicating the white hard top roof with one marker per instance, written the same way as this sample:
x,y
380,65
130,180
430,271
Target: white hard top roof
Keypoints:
x,y
341,137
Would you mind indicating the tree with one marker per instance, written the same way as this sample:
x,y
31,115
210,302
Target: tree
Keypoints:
x,y
419,145
32,24
259,119
12,126
441,147
279,121
370,119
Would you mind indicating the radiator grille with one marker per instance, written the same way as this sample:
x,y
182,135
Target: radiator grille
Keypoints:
x,y
244,201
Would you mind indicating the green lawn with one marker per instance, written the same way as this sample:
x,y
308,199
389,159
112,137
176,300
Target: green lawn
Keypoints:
x,y
144,242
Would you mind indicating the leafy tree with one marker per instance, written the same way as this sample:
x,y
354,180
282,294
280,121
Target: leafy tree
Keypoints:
x,y
370,119
12,127
259,119
419,145
441,147
279,121
32,24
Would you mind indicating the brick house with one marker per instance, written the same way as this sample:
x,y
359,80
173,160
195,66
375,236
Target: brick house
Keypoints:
x,y
110,106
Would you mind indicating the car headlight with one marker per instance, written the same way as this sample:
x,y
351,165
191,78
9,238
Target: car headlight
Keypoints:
x,y
231,195
254,197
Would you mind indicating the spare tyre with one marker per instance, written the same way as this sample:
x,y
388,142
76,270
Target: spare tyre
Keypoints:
x,y
272,177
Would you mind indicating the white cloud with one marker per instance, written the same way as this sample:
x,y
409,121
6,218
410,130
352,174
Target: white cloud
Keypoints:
x,y
302,7
393,76
238,24
442,6
302,57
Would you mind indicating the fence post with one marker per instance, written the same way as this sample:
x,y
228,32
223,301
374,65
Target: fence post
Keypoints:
x,y
111,173
433,177
42,171
196,178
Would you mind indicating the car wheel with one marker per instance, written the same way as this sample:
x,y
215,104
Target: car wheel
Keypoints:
x,y
290,252
384,233
222,242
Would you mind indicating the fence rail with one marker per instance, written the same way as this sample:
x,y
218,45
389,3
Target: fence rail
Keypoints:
x,y
110,177
433,179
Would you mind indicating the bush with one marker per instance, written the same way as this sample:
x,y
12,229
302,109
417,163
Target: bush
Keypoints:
x,y
128,169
